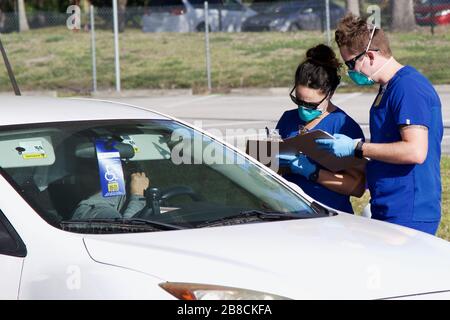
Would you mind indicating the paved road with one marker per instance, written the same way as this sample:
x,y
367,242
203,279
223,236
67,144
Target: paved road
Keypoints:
x,y
231,112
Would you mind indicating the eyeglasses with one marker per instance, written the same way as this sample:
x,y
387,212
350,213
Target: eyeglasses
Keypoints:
x,y
351,64
304,104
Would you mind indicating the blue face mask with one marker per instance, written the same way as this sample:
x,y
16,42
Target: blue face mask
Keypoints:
x,y
360,79
308,115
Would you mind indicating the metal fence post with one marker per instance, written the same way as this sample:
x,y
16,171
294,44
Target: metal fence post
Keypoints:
x,y
116,44
208,57
94,60
327,14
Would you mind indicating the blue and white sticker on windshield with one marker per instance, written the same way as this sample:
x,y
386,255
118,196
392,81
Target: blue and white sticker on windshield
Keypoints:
x,y
110,170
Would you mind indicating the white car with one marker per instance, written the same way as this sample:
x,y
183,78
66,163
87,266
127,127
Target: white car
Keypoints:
x,y
207,228
189,16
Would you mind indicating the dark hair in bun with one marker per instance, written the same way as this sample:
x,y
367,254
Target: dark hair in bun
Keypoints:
x,y
320,69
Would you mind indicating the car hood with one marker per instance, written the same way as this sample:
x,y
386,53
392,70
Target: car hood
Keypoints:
x,y
340,257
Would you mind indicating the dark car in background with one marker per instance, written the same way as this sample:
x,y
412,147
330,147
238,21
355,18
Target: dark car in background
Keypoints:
x,y
432,12
292,16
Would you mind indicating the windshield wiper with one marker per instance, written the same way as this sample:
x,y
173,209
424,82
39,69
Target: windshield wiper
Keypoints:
x,y
127,221
261,215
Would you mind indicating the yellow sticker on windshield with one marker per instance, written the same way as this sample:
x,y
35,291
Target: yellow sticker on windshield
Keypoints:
x,y
34,156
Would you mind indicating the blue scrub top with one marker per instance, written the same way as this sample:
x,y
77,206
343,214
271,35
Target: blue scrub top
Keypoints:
x,y
335,122
405,193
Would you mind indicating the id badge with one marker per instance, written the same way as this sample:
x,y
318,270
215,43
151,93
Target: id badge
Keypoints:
x,y
110,170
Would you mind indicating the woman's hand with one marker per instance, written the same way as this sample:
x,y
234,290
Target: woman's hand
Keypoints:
x,y
139,182
303,166
299,164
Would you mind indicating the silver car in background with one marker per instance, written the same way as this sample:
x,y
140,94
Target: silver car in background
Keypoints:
x,y
189,15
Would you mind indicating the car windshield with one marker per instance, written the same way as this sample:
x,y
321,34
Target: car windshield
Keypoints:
x,y
91,176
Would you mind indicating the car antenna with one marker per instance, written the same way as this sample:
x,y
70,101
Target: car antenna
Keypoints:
x,y
12,78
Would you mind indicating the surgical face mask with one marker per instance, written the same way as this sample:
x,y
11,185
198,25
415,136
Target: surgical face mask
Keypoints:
x,y
358,77
361,79
308,115
308,111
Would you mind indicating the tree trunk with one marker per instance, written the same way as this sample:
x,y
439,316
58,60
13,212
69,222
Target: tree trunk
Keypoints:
x,y
23,22
353,7
402,13
122,8
2,20
40,17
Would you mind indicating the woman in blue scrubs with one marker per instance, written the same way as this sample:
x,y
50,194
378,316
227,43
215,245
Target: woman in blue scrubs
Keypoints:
x,y
316,80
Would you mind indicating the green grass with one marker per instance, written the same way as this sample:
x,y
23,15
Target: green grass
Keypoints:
x,y
444,227
59,59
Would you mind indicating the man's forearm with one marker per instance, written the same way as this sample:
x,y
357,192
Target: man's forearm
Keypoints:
x,y
400,152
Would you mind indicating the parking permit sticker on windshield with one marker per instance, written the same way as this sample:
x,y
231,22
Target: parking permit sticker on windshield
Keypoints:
x,y
32,150
129,140
110,170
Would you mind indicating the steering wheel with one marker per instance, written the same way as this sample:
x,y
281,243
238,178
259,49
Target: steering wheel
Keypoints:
x,y
180,191
154,198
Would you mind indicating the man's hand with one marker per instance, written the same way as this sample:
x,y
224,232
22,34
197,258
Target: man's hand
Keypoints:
x,y
139,182
341,146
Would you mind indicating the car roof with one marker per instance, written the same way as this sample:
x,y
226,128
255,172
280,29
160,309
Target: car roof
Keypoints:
x,y
27,110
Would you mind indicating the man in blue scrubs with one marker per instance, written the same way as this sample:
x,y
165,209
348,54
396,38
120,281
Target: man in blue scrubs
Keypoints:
x,y
405,126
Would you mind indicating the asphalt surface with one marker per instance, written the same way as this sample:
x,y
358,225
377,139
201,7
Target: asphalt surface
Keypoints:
x,y
245,115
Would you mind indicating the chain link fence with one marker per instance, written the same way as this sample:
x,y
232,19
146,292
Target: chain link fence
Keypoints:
x,y
162,45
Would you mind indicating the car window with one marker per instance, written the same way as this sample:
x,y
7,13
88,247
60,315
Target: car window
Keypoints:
x,y
75,172
7,243
201,2
10,243
292,6
165,3
232,4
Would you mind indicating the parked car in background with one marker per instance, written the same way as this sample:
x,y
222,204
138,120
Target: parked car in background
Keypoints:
x,y
432,12
189,15
292,16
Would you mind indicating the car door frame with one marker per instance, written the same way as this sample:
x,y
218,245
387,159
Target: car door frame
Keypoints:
x,y
11,261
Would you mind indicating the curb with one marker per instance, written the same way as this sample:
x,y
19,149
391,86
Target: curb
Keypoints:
x,y
142,93
52,94
274,91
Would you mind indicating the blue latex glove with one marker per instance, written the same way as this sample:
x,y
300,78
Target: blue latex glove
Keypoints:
x,y
284,160
299,164
303,166
341,146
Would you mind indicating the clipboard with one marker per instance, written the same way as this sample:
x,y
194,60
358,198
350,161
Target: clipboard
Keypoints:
x,y
306,144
